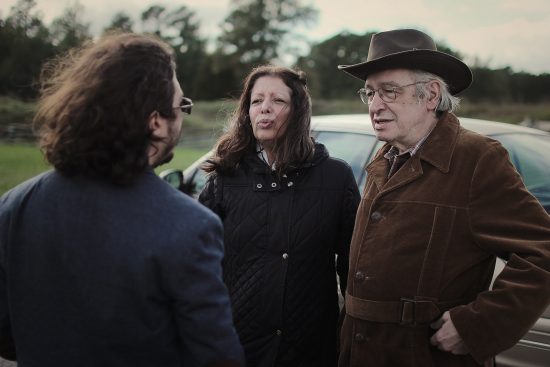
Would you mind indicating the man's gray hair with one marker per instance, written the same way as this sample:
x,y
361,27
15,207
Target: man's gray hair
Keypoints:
x,y
448,102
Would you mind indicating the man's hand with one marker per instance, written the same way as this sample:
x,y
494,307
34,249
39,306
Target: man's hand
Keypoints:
x,y
446,338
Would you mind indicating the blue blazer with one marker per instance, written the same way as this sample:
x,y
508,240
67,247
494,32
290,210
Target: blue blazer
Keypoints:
x,y
93,274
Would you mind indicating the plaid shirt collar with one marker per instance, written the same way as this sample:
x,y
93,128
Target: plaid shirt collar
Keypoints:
x,y
394,152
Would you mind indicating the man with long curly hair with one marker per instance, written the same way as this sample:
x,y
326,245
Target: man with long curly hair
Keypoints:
x,y
101,262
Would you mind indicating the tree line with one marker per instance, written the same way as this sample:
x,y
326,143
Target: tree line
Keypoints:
x,y
254,32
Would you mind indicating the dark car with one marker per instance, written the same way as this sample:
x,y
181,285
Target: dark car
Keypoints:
x,y
351,137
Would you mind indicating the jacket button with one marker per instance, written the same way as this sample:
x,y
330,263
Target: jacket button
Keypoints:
x,y
290,183
259,186
359,338
376,216
285,256
360,276
279,332
273,184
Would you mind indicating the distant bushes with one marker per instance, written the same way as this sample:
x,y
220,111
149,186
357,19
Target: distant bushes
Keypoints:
x,y
15,111
15,119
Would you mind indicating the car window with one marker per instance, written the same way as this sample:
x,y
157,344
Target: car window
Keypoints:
x,y
529,154
354,148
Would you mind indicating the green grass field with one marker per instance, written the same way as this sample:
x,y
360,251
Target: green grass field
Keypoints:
x,y
19,162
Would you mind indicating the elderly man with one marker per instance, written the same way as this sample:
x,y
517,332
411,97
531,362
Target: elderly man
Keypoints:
x,y
440,204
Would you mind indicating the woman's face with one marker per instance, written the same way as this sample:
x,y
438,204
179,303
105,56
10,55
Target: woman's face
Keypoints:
x,y
270,100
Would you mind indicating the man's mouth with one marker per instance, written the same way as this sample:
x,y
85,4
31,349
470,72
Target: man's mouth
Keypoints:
x,y
380,122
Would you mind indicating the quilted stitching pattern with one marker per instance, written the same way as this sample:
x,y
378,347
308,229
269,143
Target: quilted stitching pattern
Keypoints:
x,y
297,294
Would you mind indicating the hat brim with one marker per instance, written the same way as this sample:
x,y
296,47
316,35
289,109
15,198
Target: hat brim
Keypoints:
x,y
456,74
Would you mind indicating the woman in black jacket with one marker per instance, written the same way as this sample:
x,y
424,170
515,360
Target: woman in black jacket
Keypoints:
x,y
288,210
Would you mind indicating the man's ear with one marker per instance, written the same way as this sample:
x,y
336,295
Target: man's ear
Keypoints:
x,y
156,124
434,95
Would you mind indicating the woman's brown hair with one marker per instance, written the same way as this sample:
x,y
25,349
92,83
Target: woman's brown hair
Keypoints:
x,y
291,149
93,114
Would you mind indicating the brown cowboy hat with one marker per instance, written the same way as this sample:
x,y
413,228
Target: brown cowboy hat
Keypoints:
x,y
411,49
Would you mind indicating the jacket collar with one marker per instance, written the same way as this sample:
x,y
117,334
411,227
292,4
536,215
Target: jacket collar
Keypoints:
x,y
439,146
437,150
259,166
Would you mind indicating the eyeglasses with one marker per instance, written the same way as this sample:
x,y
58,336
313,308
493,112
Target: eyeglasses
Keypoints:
x,y
185,105
388,93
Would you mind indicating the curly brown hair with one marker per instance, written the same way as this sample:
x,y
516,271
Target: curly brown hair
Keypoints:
x,y
291,149
95,105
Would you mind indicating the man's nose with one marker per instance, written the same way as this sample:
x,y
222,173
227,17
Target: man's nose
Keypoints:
x,y
377,104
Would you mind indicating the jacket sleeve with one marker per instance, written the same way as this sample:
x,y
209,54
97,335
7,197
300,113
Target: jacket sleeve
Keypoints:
x,y
192,275
211,194
7,345
519,232
350,203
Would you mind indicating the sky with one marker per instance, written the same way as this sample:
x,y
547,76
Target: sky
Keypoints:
x,y
494,33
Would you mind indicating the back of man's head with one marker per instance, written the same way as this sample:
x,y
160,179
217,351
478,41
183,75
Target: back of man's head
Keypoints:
x,y
93,113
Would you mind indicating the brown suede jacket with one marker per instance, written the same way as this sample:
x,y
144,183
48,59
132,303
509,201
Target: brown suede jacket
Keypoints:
x,y
426,240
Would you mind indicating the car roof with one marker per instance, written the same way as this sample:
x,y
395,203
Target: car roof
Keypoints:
x,y
360,123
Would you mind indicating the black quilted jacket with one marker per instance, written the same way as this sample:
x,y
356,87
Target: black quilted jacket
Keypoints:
x,y
281,238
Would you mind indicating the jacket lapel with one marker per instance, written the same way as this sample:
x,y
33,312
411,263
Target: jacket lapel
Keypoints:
x,y
436,150
378,168
410,171
439,147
